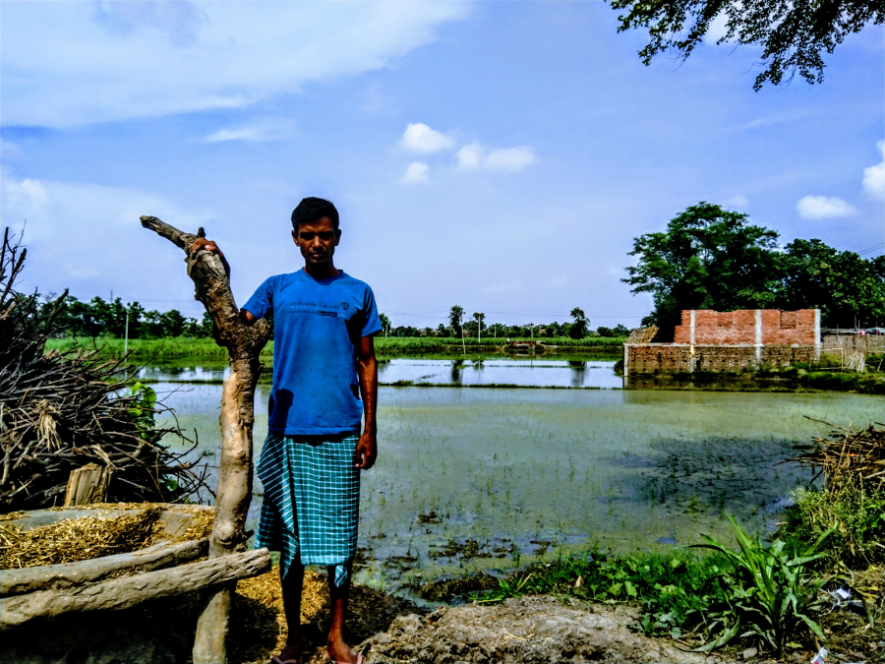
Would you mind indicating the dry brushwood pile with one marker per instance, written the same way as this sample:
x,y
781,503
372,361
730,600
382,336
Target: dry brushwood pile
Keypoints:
x,y
61,411
90,537
850,456
642,336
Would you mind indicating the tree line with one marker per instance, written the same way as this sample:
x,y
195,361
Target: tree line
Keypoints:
x,y
110,318
711,258
113,318
459,324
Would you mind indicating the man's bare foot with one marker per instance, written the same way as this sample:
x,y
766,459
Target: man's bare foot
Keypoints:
x,y
340,653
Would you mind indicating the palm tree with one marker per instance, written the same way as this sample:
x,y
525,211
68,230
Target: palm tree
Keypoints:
x,y
385,323
479,318
456,315
579,327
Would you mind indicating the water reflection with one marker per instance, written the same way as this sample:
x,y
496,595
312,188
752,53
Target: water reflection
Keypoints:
x,y
578,375
511,372
531,372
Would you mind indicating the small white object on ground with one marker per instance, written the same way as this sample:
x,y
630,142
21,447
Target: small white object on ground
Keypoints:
x,y
819,657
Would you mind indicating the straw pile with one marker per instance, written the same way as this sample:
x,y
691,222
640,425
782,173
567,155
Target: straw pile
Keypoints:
x,y
258,625
642,335
849,457
86,538
61,411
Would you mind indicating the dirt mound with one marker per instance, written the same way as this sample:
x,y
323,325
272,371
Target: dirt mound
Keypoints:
x,y
529,629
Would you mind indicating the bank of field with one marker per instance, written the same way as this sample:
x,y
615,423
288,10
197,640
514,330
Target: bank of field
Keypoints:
x,y
185,348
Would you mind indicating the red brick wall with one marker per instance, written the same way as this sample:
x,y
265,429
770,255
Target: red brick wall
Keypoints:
x,y
669,358
737,328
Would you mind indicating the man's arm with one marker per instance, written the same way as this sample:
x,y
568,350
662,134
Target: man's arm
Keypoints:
x,y
367,370
209,245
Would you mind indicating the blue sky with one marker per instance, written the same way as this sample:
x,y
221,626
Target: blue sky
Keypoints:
x,y
497,155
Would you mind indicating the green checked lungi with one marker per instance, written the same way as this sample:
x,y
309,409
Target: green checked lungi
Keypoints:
x,y
311,501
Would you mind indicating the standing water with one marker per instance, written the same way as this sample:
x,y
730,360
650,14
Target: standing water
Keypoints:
x,y
466,477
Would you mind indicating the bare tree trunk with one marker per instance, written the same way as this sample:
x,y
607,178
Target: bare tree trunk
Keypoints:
x,y
243,343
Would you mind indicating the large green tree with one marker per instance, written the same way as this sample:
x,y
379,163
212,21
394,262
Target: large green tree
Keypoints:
x,y
708,258
849,290
792,33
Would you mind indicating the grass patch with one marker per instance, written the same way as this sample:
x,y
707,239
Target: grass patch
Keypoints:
x,y
671,588
151,350
854,513
863,383
200,348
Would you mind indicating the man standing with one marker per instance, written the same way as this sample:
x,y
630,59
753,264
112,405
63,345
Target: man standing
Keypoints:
x,y
324,380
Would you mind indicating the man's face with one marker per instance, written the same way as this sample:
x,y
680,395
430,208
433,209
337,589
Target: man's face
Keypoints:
x,y
317,241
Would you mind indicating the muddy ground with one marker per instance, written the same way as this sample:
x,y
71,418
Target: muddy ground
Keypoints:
x,y
386,628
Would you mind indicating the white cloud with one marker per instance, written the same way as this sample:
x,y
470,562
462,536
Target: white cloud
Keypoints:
x,y
739,201
477,156
415,172
84,236
418,137
270,130
823,207
558,282
513,286
177,21
68,64
874,176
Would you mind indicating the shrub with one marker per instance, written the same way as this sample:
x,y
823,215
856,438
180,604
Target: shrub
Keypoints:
x,y
854,513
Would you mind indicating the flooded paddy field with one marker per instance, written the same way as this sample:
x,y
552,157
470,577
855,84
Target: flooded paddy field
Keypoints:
x,y
472,479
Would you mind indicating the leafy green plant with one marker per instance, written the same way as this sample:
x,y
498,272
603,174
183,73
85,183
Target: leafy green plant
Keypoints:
x,y
671,588
767,594
143,408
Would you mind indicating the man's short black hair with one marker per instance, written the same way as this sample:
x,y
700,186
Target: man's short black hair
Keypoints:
x,y
313,209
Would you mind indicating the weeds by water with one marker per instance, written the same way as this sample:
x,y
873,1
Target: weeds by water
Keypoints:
x,y
670,587
854,513
765,595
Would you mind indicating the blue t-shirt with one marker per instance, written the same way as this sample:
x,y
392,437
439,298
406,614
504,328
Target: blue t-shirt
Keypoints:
x,y
317,328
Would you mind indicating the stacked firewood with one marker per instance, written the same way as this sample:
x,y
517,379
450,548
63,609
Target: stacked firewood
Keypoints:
x,y
60,411
850,456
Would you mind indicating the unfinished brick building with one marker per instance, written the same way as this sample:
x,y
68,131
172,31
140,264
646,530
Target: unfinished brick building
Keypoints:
x,y
749,327
731,341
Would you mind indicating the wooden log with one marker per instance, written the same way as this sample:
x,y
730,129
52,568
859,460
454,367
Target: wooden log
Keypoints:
x,y
244,343
128,591
67,575
88,484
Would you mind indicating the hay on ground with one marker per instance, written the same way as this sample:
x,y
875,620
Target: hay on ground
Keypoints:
x,y
258,624
90,537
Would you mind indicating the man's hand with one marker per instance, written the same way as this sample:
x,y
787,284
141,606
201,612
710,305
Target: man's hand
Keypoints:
x,y
210,246
366,451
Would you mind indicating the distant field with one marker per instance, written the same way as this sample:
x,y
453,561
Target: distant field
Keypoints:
x,y
181,348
